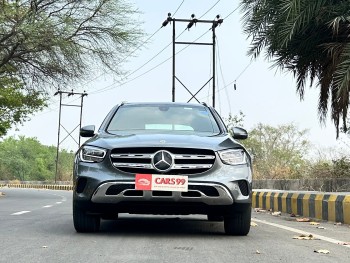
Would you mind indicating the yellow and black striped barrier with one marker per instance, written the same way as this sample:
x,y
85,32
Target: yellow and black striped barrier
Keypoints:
x,y
39,186
333,207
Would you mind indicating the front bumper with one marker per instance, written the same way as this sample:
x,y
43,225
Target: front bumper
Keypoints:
x,y
206,193
102,188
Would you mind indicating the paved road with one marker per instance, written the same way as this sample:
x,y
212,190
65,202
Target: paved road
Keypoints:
x,y
36,226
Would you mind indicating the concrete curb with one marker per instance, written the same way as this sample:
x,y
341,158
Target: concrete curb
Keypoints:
x,y
333,207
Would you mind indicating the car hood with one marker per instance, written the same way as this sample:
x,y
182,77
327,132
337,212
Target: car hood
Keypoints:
x,y
217,142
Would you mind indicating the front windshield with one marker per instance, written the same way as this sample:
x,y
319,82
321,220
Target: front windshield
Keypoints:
x,y
163,118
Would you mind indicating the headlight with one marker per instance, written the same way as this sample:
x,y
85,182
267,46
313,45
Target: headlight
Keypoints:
x,y
92,154
233,157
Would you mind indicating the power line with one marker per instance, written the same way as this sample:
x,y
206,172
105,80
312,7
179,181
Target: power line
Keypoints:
x,y
143,65
133,72
156,55
234,81
209,9
127,56
110,87
210,68
222,75
217,85
146,42
234,10
178,8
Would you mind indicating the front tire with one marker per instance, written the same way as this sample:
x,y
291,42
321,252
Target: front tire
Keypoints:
x,y
84,223
237,220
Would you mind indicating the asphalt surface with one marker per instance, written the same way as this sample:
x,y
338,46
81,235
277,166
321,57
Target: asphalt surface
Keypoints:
x,y
36,226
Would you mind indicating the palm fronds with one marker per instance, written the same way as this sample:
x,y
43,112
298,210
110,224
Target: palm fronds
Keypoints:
x,y
310,38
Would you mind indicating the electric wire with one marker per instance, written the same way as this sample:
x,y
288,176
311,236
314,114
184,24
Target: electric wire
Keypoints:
x,y
217,86
126,57
178,8
234,10
123,83
222,74
147,62
133,72
210,75
156,55
209,9
91,80
140,67
110,87
234,81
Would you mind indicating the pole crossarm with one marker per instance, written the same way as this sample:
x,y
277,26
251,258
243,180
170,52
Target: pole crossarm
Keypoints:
x,y
196,43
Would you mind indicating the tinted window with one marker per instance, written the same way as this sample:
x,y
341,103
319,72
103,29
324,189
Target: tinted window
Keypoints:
x,y
168,118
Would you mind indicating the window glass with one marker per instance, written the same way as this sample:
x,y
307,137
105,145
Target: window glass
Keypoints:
x,y
168,118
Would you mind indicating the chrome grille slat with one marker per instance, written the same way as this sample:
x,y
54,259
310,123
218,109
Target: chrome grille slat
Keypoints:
x,y
184,160
134,165
194,157
192,166
133,156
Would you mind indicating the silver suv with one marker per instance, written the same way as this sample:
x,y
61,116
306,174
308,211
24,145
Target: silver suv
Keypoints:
x,y
163,158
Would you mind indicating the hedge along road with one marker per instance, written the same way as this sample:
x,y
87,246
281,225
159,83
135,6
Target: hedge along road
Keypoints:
x,y
36,226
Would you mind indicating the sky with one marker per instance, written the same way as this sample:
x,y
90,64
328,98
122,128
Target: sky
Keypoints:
x,y
264,94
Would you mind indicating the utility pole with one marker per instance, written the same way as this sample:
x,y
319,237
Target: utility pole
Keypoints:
x,y
193,21
69,134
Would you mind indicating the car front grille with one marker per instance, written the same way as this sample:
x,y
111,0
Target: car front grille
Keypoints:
x,y
184,160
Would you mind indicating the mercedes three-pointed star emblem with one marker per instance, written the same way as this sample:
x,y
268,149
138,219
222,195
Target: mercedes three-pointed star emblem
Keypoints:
x,y
162,161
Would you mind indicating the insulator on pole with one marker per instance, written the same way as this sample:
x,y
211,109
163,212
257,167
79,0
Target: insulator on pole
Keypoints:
x,y
166,21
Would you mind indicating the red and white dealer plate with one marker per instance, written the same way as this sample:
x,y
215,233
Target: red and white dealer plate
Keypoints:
x,y
161,182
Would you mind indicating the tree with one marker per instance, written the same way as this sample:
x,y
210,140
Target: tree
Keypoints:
x,y
16,103
278,152
47,44
310,39
235,120
26,159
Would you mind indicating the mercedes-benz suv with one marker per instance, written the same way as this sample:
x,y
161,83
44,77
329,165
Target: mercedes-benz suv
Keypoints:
x,y
163,158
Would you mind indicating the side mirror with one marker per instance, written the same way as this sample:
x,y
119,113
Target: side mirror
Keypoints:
x,y
87,131
239,133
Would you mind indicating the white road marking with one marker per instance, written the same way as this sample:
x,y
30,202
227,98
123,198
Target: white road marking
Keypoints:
x,y
58,203
298,231
20,213
63,198
46,206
